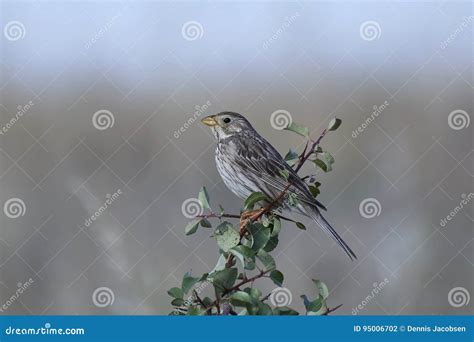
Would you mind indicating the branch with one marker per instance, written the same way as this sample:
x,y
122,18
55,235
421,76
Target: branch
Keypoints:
x,y
305,155
331,310
245,281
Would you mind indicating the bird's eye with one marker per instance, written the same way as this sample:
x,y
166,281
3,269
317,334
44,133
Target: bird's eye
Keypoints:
x,y
226,120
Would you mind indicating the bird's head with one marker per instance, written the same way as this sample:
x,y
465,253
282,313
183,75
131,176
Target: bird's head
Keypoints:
x,y
226,124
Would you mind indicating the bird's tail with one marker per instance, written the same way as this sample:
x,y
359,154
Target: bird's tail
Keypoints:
x,y
326,227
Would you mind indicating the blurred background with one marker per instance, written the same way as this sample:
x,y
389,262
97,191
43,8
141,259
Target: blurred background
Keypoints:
x,y
99,106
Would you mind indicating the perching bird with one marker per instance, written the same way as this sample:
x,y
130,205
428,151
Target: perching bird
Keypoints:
x,y
248,163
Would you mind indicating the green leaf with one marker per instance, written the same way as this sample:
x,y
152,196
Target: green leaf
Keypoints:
x,y
227,237
260,235
203,198
221,209
271,244
205,223
285,311
195,311
285,174
334,124
264,309
241,298
192,227
277,277
253,199
224,279
320,164
291,157
188,282
176,292
328,159
244,254
314,190
177,302
322,288
220,264
266,259
300,225
297,128
276,227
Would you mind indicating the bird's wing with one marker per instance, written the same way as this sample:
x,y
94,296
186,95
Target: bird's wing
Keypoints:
x,y
259,157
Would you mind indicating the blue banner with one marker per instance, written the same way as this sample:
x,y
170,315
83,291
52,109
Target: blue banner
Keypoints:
x,y
232,328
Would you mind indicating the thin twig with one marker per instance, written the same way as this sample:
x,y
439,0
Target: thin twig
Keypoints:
x,y
332,310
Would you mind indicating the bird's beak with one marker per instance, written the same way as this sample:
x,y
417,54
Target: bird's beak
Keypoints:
x,y
209,121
